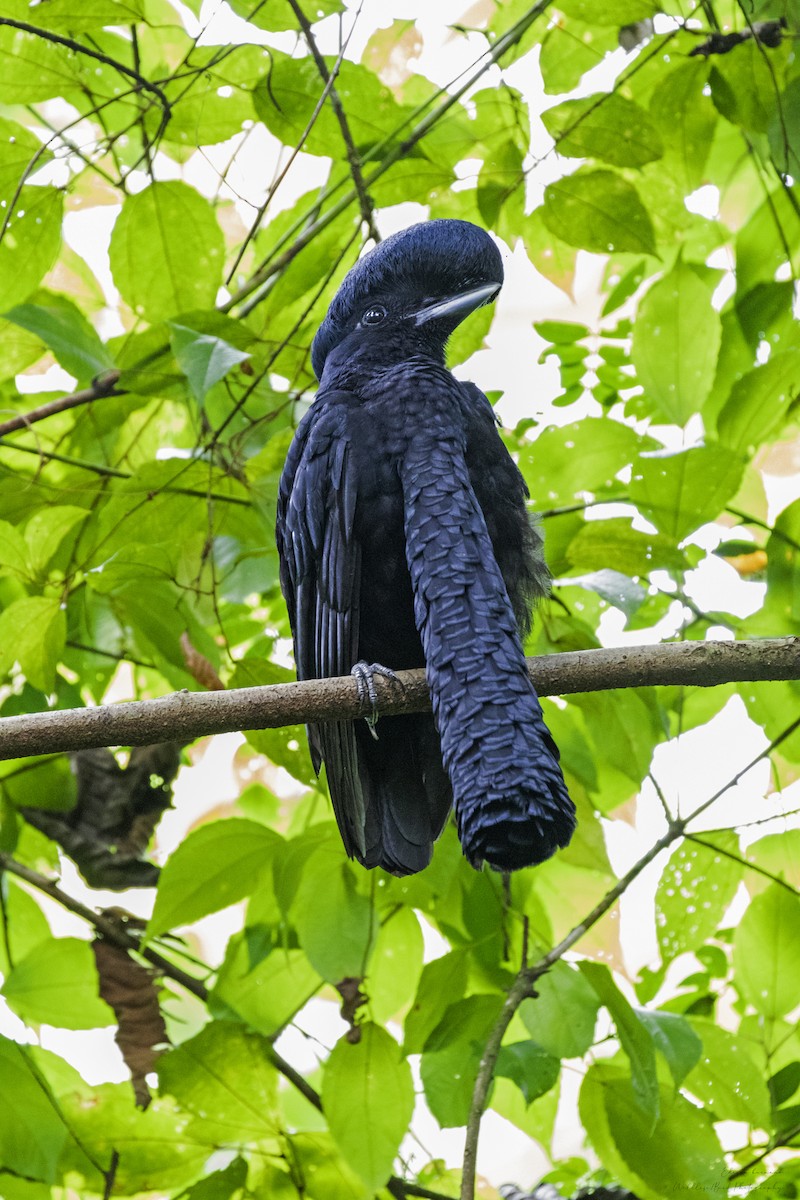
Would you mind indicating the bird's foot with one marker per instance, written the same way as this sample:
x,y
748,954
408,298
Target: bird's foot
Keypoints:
x,y
364,674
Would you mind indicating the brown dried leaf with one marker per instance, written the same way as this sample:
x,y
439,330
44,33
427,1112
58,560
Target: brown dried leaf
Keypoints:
x,y
199,667
141,1033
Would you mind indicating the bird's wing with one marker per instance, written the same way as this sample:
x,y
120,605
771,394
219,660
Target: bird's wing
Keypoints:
x,y
320,561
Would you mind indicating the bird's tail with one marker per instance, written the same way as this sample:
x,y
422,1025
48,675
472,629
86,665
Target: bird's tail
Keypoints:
x,y
512,805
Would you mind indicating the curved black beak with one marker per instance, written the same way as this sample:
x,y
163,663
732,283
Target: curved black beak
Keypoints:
x,y
457,306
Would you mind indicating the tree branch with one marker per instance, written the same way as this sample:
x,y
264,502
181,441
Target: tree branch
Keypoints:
x,y
187,715
79,48
524,984
114,931
354,162
280,259
104,385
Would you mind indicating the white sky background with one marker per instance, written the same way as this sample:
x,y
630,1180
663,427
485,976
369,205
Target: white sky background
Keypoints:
x,y
688,769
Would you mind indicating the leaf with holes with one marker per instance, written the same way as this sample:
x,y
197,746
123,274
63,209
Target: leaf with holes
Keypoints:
x,y
695,889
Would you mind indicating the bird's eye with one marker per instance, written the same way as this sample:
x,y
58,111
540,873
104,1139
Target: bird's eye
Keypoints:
x,y
374,315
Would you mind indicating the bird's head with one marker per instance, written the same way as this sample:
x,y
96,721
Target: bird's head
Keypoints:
x,y
411,290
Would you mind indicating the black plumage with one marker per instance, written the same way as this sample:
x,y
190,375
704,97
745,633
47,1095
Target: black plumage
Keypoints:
x,y
404,540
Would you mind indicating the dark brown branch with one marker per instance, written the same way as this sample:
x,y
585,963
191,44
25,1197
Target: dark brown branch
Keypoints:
x,y
104,385
354,162
120,935
113,473
185,715
281,259
525,982
79,48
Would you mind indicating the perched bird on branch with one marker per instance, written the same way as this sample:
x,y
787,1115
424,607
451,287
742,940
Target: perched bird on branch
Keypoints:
x,y
405,541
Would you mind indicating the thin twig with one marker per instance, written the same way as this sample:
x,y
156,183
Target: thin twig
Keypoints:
x,y
278,261
525,981
80,48
127,939
115,473
104,385
365,201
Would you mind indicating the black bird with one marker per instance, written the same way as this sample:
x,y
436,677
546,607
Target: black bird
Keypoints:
x,y
404,541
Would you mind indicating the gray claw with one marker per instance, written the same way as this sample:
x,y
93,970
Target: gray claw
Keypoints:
x,y
364,674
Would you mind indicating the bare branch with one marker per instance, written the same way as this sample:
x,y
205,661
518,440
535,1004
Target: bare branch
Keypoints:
x,y
187,715
79,48
354,162
104,385
279,259
524,984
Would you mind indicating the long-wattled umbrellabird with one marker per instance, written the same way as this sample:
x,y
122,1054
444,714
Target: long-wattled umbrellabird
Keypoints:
x,y
404,541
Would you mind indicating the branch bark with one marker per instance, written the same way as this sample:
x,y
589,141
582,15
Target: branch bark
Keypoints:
x,y
185,716
104,385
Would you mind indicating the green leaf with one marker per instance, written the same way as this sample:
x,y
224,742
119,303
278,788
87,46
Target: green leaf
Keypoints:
x,y
56,984
562,1016
31,240
778,853
287,96
599,211
33,632
694,892
635,1037
674,1038
682,490
395,966
261,985
552,258
759,401
570,48
47,529
32,1133
203,359
167,251
441,983
26,926
217,865
766,952
225,1075
65,330
743,85
530,1067
605,126
155,1144
13,551
761,245
452,1054
20,150
613,12
585,456
368,1099
598,543
676,1156
685,118
676,339
66,16
336,935
784,131
726,1079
